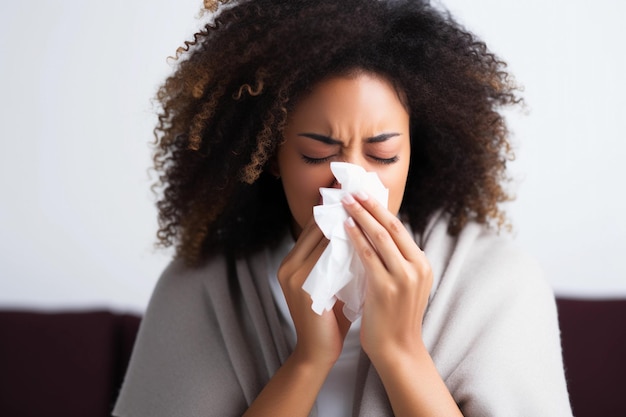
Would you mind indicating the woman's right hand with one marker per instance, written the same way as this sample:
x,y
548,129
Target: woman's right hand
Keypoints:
x,y
319,337
292,390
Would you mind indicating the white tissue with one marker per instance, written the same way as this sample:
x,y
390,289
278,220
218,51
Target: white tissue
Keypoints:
x,y
339,273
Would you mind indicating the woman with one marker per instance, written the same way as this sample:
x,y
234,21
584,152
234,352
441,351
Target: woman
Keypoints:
x,y
455,320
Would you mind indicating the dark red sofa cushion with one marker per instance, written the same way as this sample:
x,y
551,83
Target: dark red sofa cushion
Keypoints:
x,y
62,364
72,364
593,335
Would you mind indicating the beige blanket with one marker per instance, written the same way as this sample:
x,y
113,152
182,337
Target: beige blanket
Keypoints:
x,y
211,336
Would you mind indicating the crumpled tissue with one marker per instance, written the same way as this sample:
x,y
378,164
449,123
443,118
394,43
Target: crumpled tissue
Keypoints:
x,y
339,273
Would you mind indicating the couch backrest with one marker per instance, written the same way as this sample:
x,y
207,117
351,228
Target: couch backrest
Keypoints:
x,y
63,364
593,335
73,363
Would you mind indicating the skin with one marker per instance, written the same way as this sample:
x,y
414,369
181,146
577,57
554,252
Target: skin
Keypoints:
x,y
369,126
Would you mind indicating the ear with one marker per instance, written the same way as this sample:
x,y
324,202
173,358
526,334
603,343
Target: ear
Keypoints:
x,y
273,167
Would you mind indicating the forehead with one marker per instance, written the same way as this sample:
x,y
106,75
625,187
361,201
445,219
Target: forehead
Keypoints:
x,y
363,98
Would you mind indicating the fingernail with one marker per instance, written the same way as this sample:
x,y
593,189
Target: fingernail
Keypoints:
x,y
362,195
350,222
348,199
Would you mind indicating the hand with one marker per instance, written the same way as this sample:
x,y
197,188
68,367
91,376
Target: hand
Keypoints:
x,y
319,338
399,279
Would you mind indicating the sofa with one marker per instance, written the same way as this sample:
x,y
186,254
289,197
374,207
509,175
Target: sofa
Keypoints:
x,y
71,364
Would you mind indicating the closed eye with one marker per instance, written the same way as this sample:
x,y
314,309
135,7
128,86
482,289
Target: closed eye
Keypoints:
x,y
313,161
384,161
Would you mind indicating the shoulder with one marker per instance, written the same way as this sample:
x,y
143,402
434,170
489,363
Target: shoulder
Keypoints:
x,y
497,260
180,284
180,303
491,325
179,355
179,275
480,258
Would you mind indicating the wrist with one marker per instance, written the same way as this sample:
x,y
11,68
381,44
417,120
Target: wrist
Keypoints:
x,y
394,355
313,360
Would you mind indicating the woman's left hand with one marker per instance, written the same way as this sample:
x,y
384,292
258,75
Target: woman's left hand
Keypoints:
x,y
399,279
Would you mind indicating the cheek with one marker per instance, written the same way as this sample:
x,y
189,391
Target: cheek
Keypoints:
x,y
395,181
301,185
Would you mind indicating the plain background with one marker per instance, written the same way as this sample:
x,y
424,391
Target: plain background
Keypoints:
x,y
77,219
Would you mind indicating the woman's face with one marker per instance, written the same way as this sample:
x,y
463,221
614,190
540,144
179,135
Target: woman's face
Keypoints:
x,y
357,119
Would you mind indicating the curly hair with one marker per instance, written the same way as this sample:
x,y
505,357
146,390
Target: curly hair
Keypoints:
x,y
224,108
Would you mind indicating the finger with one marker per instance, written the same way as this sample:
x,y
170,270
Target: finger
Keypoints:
x,y
312,259
379,237
308,240
394,226
294,272
342,321
364,248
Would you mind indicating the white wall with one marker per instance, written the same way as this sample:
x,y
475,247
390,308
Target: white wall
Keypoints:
x,y
571,207
77,221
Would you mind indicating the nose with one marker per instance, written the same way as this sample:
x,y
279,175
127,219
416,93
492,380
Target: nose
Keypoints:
x,y
334,183
351,158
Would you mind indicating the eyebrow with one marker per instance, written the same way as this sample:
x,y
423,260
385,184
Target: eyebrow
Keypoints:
x,y
331,141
